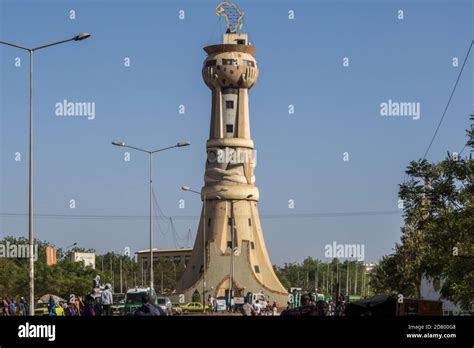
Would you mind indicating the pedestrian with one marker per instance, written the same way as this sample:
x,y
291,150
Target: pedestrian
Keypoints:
x,y
232,304
71,310
214,304
209,303
96,282
247,309
6,308
268,308
51,307
2,309
60,310
89,306
26,305
78,306
106,300
21,307
148,308
257,308
274,308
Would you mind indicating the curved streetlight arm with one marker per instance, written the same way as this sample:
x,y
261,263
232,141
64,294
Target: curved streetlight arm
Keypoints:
x,y
193,191
185,188
165,148
79,37
16,46
138,149
116,143
52,44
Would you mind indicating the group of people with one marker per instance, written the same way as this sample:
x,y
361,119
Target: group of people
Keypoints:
x,y
211,304
98,302
310,306
69,308
8,307
247,309
259,308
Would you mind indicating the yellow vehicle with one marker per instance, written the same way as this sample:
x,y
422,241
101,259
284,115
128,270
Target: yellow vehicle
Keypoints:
x,y
192,307
41,309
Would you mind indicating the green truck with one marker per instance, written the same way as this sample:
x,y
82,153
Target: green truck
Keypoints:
x,y
133,299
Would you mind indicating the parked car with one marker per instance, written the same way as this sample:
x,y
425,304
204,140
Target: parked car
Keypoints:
x,y
41,309
165,304
119,303
192,307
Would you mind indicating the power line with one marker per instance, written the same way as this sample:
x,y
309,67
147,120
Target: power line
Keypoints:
x,y
194,217
449,101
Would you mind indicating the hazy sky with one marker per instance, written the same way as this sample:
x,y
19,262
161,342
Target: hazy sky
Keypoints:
x,y
300,155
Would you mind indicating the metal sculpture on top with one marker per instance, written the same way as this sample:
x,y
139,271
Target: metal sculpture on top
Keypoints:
x,y
233,16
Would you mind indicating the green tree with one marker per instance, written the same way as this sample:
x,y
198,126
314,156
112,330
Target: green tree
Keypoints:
x,y
438,236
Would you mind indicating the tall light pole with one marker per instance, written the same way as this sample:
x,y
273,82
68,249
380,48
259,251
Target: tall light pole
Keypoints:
x,y
150,153
186,188
31,269
232,236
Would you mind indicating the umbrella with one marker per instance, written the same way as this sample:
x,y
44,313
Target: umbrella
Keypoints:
x,y
45,298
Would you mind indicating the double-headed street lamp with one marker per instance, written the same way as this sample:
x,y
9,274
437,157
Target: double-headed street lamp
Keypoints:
x,y
186,188
31,270
150,153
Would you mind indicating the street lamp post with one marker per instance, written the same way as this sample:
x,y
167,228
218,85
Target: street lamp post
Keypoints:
x,y
150,153
186,188
31,270
232,236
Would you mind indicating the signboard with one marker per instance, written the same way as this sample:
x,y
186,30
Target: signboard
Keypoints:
x,y
221,305
87,258
50,256
239,300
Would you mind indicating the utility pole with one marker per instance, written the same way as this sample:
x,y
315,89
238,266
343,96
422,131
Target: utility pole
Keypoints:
x,y
355,282
331,282
363,279
324,282
316,278
112,271
121,276
327,279
161,283
347,277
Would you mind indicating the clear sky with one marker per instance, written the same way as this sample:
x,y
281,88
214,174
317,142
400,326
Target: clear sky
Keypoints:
x,y
300,155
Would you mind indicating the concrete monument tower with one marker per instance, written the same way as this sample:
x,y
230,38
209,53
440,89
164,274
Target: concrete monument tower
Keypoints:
x,y
229,254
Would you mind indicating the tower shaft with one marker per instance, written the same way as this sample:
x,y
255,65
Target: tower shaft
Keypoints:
x,y
230,248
